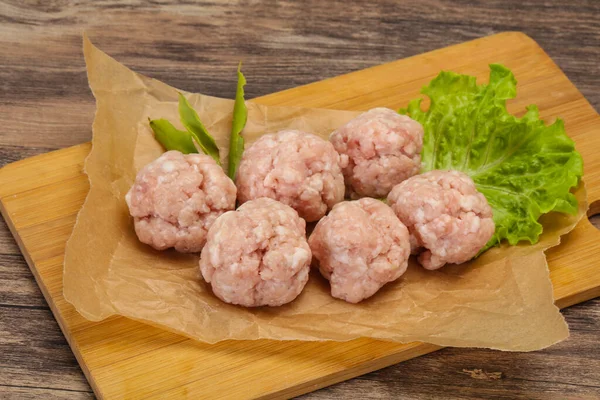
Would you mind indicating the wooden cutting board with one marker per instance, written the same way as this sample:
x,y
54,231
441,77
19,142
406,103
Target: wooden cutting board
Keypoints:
x,y
40,198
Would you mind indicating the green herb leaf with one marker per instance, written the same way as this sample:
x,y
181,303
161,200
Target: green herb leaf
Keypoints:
x,y
522,166
192,123
240,116
172,138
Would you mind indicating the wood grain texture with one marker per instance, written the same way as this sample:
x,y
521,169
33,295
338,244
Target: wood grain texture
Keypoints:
x,y
45,104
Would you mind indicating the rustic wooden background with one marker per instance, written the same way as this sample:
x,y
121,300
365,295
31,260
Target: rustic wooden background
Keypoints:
x,y
45,104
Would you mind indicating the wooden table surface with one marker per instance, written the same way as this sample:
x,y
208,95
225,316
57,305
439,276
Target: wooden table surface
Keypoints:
x,y
45,104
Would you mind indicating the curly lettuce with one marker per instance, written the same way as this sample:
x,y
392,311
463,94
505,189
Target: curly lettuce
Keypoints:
x,y
523,167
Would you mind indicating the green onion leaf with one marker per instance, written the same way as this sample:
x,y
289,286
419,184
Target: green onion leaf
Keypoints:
x,y
240,116
192,123
172,138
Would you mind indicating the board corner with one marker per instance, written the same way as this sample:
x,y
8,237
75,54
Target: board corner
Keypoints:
x,y
518,37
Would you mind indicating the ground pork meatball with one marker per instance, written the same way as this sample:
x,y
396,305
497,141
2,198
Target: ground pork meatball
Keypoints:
x,y
257,255
360,246
383,149
446,215
296,168
176,198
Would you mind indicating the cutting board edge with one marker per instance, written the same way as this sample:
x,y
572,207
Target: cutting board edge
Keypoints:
x,y
49,300
420,349
11,168
528,40
323,381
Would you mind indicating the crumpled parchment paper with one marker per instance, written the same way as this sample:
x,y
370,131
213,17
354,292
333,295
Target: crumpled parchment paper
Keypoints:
x,y
502,300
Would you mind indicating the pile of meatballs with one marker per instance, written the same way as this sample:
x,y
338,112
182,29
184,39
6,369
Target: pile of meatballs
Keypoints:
x,y
259,255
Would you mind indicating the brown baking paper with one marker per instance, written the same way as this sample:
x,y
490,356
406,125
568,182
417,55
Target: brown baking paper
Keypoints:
x,y
502,300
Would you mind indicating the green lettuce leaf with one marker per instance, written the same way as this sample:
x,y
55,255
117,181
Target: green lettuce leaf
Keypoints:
x,y
523,167
240,116
192,123
172,138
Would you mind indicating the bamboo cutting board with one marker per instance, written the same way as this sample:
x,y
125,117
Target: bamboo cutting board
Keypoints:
x,y
40,198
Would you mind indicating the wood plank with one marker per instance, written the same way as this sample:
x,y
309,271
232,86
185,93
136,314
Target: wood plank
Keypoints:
x,y
44,85
18,287
33,393
59,373
119,356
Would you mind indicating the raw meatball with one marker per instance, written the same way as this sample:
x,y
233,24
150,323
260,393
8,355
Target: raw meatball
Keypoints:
x,y
360,246
296,168
257,255
445,214
176,198
383,149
